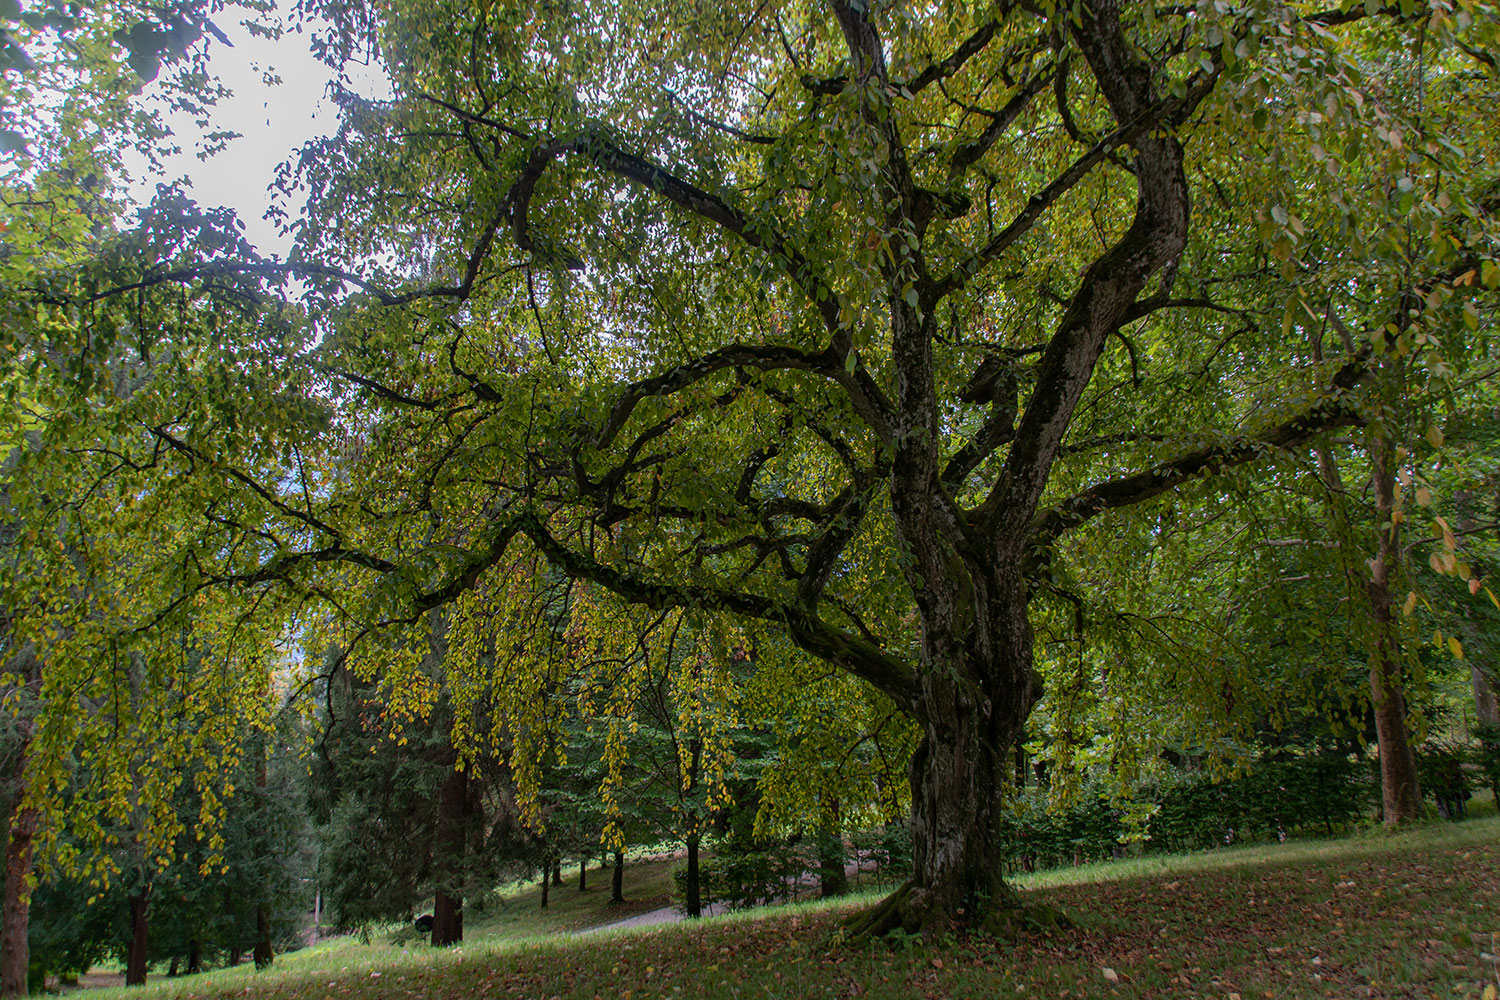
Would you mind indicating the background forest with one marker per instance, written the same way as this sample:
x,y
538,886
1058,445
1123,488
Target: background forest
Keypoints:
x,y
958,437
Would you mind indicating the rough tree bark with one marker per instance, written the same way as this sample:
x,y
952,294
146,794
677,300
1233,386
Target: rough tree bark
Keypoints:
x,y
14,922
617,884
21,826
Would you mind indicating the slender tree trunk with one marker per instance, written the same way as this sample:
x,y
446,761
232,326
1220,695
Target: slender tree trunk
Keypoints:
x,y
694,902
557,878
617,886
452,836
1401,796
235,954
583,874
262,953
1401,799
135,959
546,882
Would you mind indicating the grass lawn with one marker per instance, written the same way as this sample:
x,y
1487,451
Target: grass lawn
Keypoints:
x,y
1416,914
648,886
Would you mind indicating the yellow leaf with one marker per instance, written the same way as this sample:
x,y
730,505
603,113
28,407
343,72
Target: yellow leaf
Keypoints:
x,y
1434,436
1411,603
1473,585
1455,647
1493,599
1424,496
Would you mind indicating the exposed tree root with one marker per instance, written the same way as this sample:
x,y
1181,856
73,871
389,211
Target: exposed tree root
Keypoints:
x,y
880,919
1008,919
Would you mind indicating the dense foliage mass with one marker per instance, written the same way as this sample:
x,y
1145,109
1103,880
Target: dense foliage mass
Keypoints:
x,y
660,388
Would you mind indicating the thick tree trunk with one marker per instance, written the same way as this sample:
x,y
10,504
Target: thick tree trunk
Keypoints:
x,y
617,885
693,903
958,776
447,904
557,878
195,958
263,953
135,958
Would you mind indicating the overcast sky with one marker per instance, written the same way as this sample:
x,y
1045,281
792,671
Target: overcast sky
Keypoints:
x,y
273,121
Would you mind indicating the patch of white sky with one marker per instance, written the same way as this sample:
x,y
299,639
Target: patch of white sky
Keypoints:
x,y
280,100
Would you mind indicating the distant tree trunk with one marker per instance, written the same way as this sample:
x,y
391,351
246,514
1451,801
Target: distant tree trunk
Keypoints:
x,y
195,958
1486,706
832,880
617,888
1401,798
135,959
557,872
235,954
694,901
583,874
172,969
452,837
262,952
546,882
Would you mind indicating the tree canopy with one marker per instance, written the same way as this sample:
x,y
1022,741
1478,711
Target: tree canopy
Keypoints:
x,y
884,330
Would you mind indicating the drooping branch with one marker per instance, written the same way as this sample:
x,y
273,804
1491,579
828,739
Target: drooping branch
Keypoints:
x,y
834,362
755,233
827,363
856,654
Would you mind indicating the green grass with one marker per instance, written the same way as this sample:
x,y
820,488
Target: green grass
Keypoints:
x,y
648,886
1413,914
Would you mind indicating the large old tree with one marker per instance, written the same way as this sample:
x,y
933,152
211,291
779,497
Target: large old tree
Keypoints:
x,y
827,318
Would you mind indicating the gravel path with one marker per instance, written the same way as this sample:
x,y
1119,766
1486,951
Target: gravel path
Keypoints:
x,y
665,915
